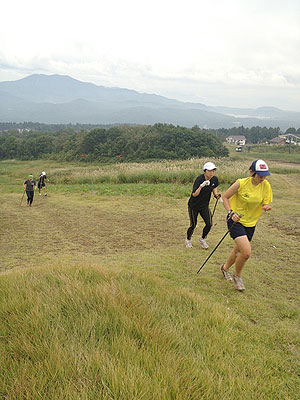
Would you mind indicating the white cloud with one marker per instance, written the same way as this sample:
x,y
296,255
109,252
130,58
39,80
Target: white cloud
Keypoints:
x,y
230,52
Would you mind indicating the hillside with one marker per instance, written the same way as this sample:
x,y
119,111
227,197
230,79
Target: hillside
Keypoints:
x,y
100,298
61,99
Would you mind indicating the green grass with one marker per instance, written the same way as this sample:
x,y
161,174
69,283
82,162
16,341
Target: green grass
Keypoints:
x,y
99,298
267,152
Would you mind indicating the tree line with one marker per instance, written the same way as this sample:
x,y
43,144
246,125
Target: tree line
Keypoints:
x,y
29,141
118,143
41,127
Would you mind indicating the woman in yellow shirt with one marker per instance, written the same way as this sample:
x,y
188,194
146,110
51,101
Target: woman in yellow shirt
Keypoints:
x,y
244,202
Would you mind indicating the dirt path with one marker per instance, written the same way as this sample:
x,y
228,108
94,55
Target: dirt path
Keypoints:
x,y
65,225
81,225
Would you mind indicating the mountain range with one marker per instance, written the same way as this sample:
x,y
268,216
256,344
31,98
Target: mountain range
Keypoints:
x,y
60,99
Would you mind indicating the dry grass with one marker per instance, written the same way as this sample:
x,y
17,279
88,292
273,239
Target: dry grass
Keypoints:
x,y
57,225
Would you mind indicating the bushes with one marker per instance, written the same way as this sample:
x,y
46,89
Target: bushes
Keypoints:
x,y
160,141
116,144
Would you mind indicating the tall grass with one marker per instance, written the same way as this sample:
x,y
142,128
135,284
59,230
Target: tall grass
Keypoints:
x,y
153,177
155,172
90,332
169,172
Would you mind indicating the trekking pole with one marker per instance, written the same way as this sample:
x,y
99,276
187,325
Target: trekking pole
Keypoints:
x,y
214,209
22,198
216,247
214,250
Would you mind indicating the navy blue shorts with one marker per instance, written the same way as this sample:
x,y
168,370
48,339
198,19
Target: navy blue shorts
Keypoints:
x,y
240,230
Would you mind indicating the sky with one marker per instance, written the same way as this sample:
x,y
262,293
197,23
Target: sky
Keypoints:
x,y
235,53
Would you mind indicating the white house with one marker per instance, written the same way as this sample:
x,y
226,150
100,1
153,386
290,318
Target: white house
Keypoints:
x,y
291,138
239,140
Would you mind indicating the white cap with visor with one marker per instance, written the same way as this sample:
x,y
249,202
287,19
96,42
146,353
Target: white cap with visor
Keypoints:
x,y
209,165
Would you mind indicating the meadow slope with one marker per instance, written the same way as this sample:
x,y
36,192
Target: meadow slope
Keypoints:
x,y
99,298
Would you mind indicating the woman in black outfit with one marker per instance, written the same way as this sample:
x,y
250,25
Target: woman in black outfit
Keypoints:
x,y
41,183
198,203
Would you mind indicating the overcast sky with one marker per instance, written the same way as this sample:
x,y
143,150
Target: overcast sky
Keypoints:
x,y
242,53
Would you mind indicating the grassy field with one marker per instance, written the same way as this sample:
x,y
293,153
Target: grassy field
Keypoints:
x,y
100,299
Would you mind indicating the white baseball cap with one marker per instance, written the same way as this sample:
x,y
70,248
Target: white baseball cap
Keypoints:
x,y
43,173
209,165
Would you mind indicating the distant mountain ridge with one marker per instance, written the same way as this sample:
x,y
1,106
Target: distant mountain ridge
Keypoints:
x,y
56,99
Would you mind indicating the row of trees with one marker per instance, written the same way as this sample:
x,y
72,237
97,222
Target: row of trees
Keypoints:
x,y
255,135
41,127
122,143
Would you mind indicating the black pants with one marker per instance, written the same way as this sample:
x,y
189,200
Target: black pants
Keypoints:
x,y
206,216
30,194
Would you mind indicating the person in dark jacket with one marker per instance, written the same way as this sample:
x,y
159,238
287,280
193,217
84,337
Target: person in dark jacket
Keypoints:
x,y
42,183
29,186
198,203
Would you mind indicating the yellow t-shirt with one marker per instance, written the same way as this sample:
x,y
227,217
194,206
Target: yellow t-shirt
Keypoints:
x,y
249,200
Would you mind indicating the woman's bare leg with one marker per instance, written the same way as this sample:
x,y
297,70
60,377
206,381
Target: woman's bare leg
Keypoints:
x,y
239,255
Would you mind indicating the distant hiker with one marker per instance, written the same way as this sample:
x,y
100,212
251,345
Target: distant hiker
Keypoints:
x,y
198,203
41,183
244,202
29,186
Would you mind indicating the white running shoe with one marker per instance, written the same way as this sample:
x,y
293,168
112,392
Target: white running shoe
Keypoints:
x,y
238,283
188,244
203,243
225,273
